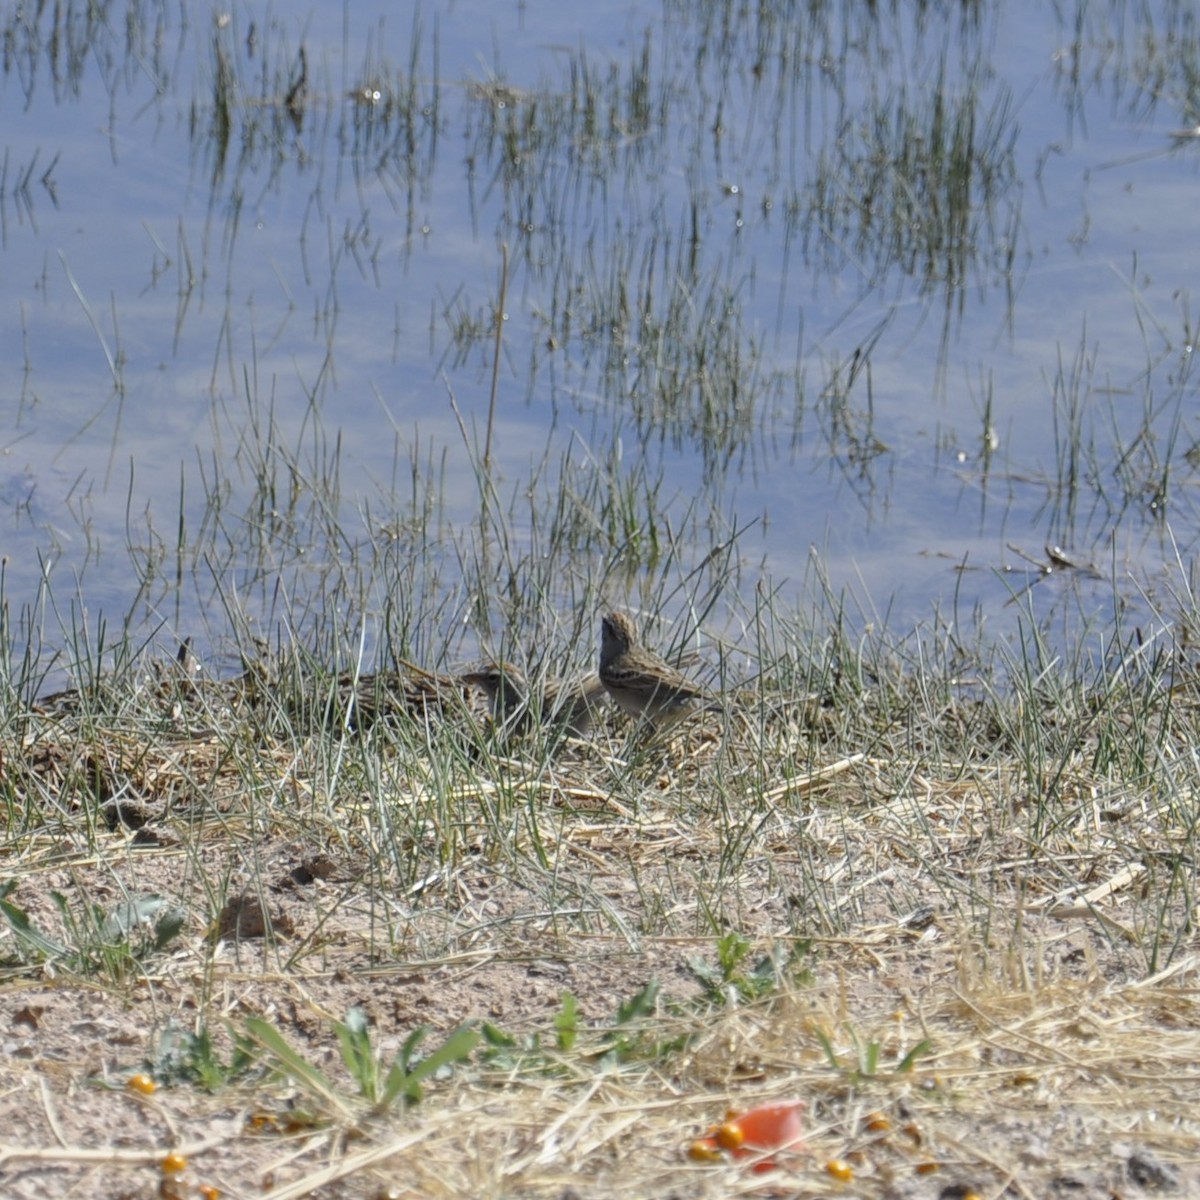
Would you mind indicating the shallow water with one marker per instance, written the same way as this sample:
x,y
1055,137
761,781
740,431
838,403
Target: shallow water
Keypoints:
x,y
919,332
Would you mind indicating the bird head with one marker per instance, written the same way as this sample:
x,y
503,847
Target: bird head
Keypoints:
x,y
617,636
503,684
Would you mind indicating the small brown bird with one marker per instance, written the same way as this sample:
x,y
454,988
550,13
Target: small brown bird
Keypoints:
x,y
408,689
641,682
570,705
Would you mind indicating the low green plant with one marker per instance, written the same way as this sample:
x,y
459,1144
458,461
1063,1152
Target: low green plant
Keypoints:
x,y
729,977
402,1081
633,1037
183,1056
566,1022
868,1061
628,1038
506,1050
115,943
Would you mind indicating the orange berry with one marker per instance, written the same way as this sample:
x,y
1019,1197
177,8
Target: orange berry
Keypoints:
x,y
730,1136
704,1150
839,1169
173,1164
208,1192
141,1083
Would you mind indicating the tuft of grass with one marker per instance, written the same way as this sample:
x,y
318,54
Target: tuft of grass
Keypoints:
x,y
401,1084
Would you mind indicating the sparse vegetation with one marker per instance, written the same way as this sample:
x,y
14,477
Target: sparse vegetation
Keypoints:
x,y
275,888
870,896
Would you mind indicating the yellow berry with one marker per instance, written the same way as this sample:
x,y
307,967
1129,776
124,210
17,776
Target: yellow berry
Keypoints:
x,y
141,1083
730,1136
174,1163
704,1151
840,1169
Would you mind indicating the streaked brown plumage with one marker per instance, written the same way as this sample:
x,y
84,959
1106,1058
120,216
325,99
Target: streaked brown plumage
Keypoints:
x,y
409,689
570,704
641,682
286,683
